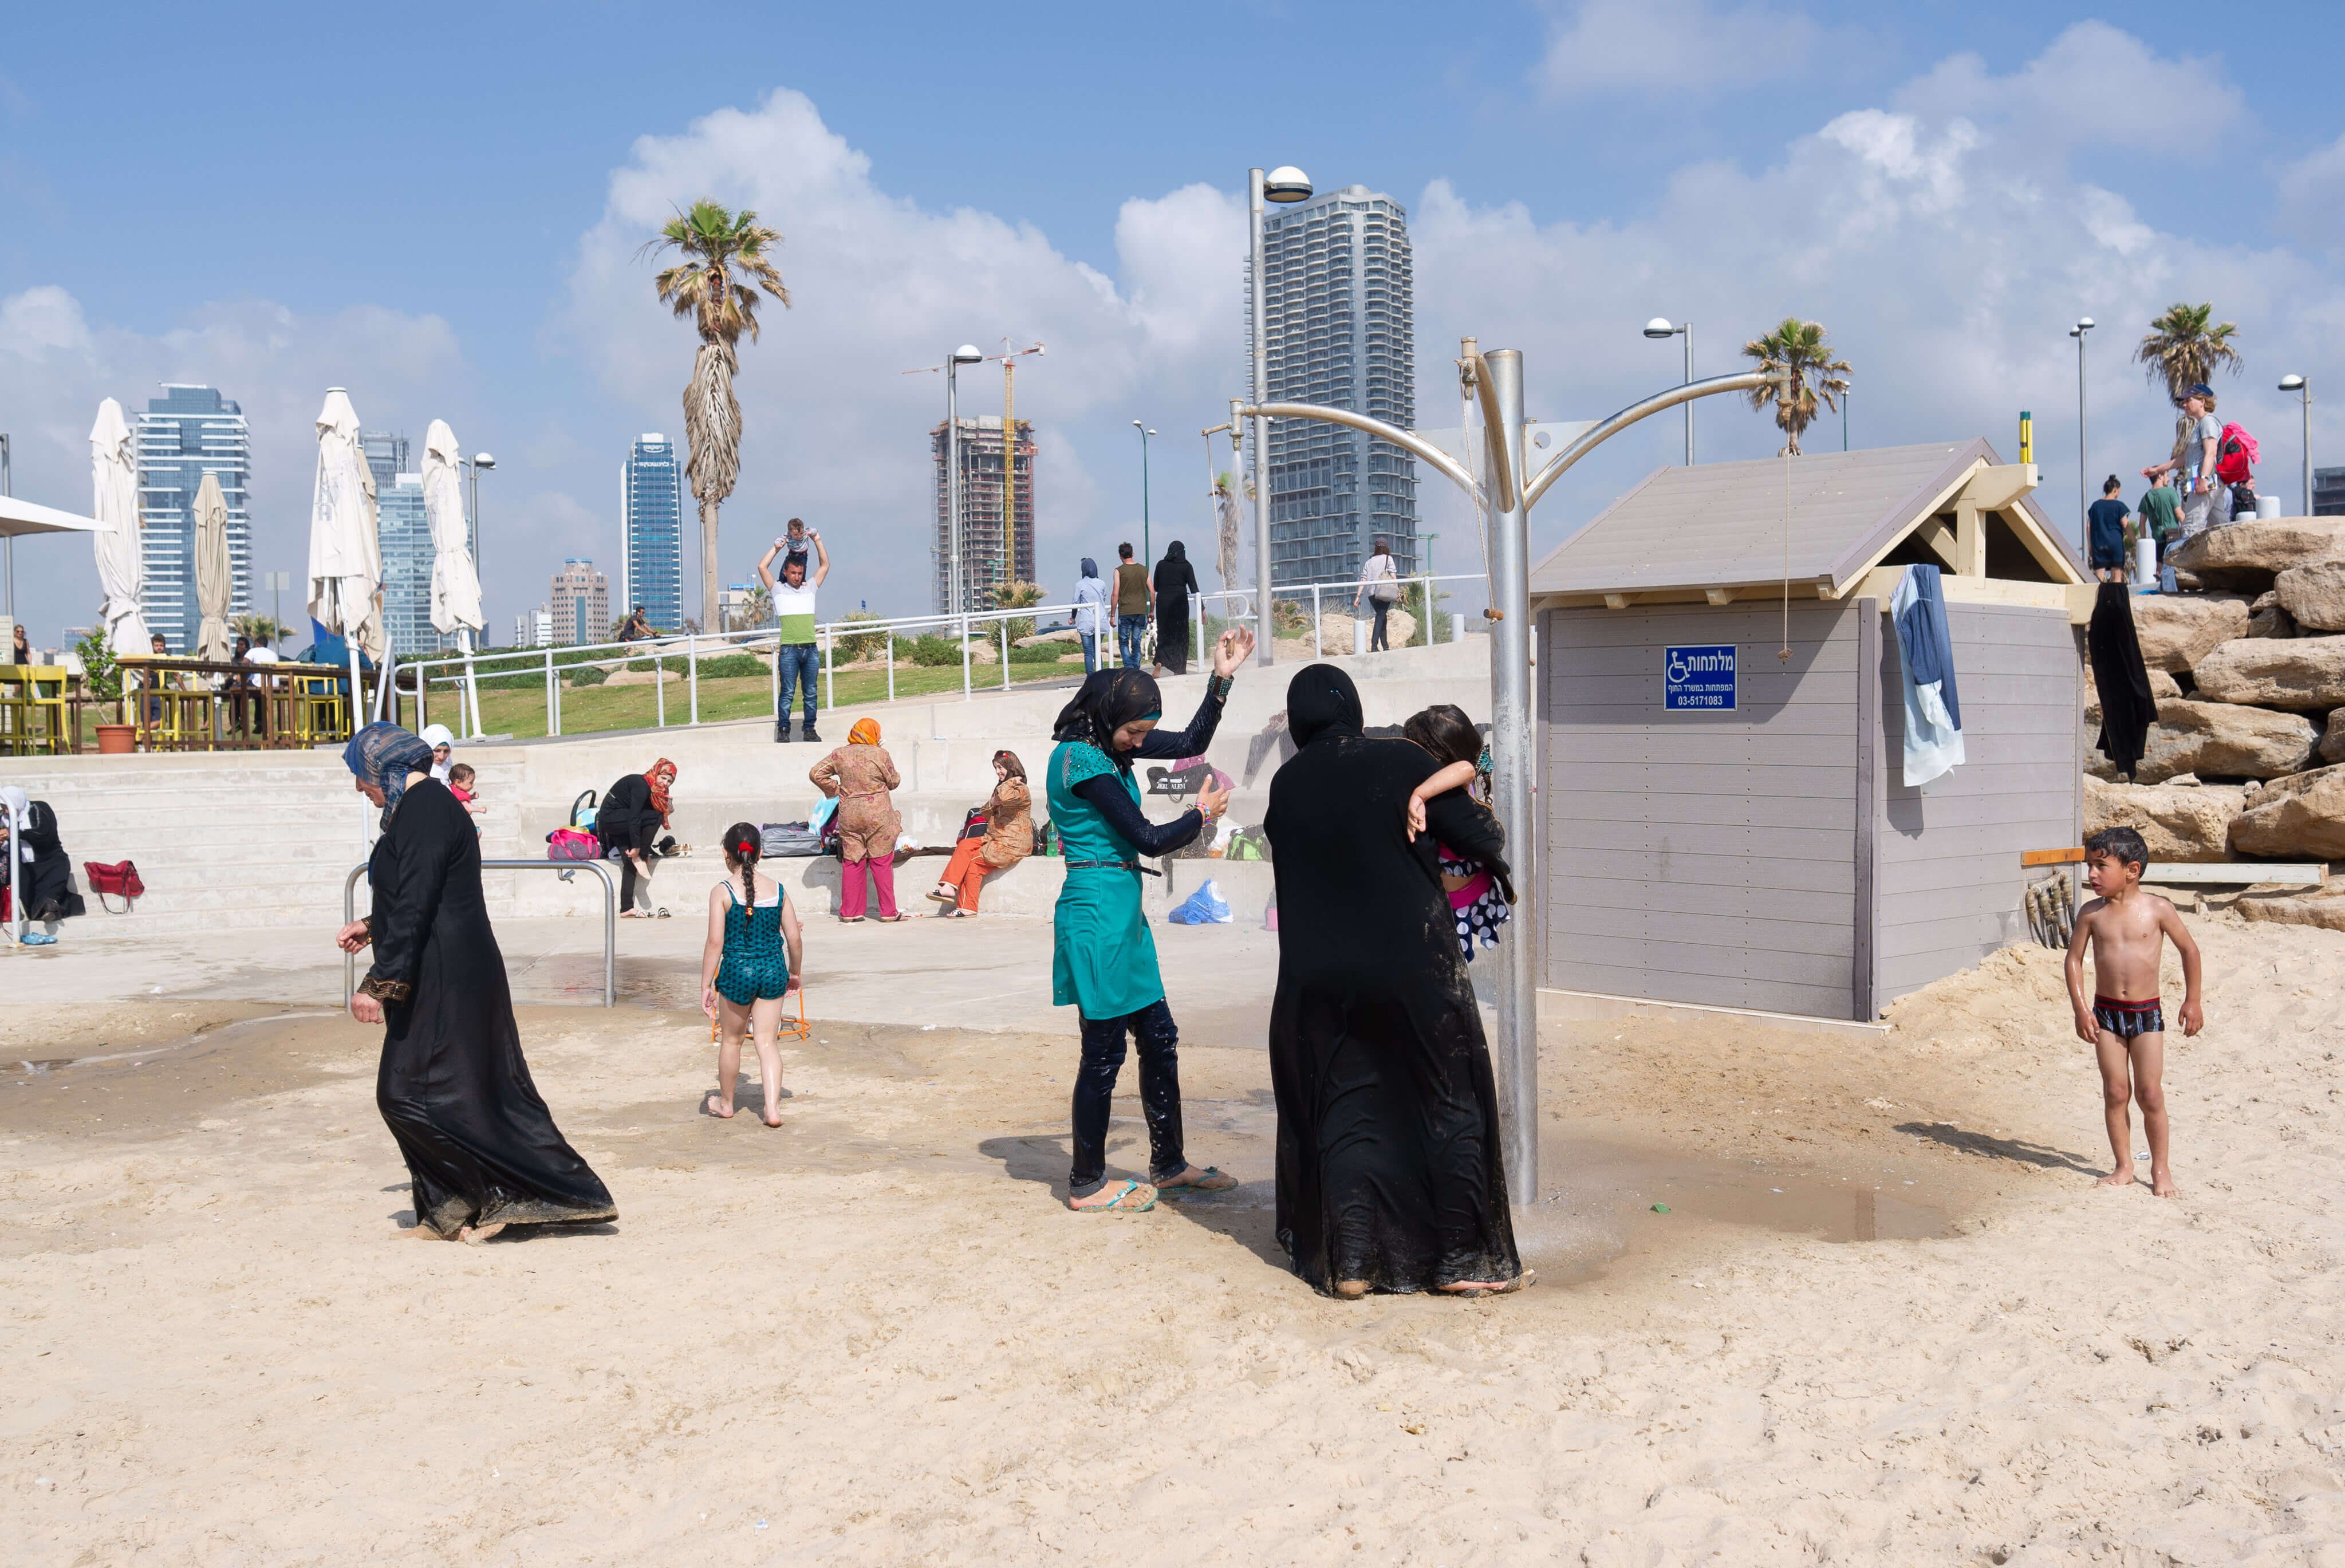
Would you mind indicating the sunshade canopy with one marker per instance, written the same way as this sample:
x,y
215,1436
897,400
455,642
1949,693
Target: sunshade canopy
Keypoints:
x,y
19,516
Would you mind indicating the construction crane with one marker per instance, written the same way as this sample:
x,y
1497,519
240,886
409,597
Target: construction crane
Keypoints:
x,y
1008,356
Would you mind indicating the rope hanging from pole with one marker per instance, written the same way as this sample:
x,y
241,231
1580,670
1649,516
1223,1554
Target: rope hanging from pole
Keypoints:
x,y
1466,397
1784,653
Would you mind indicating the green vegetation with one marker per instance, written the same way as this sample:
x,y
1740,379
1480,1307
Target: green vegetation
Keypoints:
x,y
1802,351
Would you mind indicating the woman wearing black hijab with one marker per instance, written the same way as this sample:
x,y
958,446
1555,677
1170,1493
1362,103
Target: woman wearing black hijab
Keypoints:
x,y
1389,1173
1175,581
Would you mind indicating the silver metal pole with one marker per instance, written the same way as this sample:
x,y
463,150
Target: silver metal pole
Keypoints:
x,y
1512,754
1689,376
2304,397
691,670
2083,504
952,476
6,489
1265,635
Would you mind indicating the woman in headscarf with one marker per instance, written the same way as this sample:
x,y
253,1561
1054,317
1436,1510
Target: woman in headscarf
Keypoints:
x,y
858,776
28,829
1092,613
633,813
454,1086
1389,1174
443,749
1103,959
1175,581
997,835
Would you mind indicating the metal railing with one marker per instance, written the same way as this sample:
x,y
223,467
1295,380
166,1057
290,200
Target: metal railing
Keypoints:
x,y
415,679
610,917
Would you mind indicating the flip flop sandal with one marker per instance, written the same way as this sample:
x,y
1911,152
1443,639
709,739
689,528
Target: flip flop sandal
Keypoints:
x,y
1527,1277
1214,1181
1121,1203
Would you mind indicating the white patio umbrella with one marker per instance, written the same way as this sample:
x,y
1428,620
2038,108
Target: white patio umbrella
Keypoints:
x,y
113,473
214,573
345,551
455,585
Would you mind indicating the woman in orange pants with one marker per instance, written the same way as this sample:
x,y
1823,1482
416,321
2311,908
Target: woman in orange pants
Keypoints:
x,y
1008,838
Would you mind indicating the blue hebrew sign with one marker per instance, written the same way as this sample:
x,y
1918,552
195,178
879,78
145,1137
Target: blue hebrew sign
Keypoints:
x,y
1698,680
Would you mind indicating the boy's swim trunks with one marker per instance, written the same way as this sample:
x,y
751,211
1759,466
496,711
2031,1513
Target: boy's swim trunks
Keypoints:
x,y
2127,1019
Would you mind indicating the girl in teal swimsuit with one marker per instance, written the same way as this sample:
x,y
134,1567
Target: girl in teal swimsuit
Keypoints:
x,y
1103,959
750,961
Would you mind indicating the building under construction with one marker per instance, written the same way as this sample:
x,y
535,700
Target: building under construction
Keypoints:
x,y
996,546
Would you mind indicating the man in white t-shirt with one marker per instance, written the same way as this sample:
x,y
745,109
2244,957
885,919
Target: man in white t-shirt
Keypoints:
x,y
797,658
1380,585
2205,500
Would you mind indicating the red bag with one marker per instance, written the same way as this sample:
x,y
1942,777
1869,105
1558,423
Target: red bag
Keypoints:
x,y
2235,450
120,880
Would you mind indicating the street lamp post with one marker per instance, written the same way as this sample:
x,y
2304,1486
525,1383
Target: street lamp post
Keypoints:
x,y
277,583
1284,184
967,354
2084,325
1147,549
1658,328
7,488
2291,382
479,462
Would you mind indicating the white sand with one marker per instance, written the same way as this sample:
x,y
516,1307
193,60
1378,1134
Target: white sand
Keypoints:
x,y
872,1338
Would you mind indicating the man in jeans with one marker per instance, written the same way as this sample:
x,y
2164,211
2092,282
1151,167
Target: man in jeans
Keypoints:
x,y
797,658
1135,598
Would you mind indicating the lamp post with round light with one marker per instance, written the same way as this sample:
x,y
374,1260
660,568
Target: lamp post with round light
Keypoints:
x,y
1659,329
1147,548
1284,184
2084,325
2303,391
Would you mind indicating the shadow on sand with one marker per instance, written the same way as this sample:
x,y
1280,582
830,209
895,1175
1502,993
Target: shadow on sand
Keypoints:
x,y
1246,1213
1964,1141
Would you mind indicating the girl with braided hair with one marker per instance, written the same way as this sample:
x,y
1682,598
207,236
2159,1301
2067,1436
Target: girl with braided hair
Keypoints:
x,y
749,962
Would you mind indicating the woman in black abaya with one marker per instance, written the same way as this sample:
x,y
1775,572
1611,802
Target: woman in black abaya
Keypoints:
x,y
1389,1172
452,1087
1175,580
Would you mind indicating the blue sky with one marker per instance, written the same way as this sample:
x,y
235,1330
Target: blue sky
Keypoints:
x,y
438,209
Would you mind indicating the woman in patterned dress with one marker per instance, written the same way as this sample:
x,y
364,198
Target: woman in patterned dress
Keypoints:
x,y
858,774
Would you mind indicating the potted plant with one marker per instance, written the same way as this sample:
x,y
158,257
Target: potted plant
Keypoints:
x,y
102,678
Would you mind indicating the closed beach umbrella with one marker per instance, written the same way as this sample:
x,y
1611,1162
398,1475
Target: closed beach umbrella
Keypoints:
x,y
213,572
345,554
455,584
115,475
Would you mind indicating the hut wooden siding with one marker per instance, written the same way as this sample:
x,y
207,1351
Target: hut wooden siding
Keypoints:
x,y
1945,865
1710,858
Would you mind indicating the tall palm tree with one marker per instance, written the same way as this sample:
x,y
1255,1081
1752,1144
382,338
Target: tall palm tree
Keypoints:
x,y
717,284
1801,349
2184,349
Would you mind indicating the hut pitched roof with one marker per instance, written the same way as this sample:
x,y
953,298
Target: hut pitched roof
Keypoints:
x,y
1721,524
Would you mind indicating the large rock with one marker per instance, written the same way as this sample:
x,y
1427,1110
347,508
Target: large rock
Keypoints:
x,y
2324,908
2178,630
2333,745
2249,554
2177,822
2306,674
2222,740
2314,596
2300,818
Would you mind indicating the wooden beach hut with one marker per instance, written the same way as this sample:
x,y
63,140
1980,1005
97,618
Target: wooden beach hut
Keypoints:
x,y
1723,722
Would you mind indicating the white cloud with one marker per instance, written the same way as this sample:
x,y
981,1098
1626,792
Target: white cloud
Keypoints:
x,y
1675,47
2312,197
2093,86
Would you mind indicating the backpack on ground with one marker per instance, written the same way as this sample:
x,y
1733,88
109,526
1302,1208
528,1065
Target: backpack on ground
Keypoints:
x,y
2235,454
572,844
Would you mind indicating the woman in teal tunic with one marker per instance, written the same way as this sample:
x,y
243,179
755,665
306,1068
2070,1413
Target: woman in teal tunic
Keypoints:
x,y
1103,959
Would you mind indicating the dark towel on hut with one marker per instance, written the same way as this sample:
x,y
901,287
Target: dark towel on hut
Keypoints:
x,y
2128,709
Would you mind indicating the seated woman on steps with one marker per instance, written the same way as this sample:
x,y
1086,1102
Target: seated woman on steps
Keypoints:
x,y
1007,818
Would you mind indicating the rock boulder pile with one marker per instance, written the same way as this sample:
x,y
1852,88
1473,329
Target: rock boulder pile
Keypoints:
x,y
2247,757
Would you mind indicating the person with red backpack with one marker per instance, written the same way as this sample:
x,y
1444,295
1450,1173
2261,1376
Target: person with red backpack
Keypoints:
x,y
2206,446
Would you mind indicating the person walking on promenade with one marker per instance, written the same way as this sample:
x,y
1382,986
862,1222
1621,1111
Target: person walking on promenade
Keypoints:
x,y
2205,499
1133,599
797,659
1103,958
1091,615
1007,818
858,776
755,953
1390,1170
1175,580
454,1086
1380,585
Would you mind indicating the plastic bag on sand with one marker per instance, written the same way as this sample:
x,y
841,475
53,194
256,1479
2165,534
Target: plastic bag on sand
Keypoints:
x,y
1204,907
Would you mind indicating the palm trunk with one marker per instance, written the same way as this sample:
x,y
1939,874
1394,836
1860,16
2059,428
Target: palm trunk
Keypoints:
x,y
710,602
712,425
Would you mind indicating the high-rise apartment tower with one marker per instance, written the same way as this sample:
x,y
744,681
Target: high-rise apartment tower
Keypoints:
x,y
651,532
581,603
187,433
988,558
403,536
1339,295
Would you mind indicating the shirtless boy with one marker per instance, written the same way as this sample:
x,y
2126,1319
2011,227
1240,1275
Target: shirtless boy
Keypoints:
x,y
2125,1019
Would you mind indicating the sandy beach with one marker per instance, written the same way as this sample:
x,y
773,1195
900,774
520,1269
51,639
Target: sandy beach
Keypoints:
x,y
1886,1317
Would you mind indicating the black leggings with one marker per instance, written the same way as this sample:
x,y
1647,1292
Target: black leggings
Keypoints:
x,y
627,882
1377,641
1160,1095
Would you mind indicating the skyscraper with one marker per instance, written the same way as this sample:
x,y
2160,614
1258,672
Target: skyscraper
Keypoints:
x,y
651,532
187,433
581,602
1339,302
403,534
986,558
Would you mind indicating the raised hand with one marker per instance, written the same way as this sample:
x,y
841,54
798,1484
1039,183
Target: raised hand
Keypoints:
x,y
1233,648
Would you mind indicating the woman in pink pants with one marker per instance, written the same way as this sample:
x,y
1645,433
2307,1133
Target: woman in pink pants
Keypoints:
x,y
858,774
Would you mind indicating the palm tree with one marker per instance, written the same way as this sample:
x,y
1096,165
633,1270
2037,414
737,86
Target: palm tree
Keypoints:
x,y
2185,351
756,608
1800,351
717,284
1015,596
264,630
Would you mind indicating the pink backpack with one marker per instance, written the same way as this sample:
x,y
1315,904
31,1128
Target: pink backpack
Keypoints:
x,y
572,844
